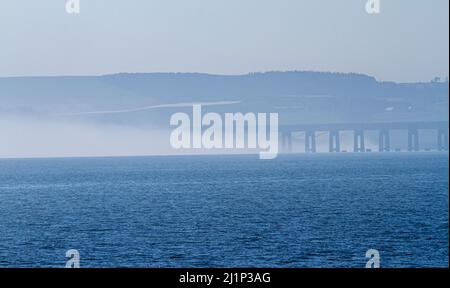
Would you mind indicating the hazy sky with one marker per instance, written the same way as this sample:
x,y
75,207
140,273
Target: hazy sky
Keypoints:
x,y
408,41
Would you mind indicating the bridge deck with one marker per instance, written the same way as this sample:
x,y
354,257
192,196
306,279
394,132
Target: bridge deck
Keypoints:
x,y
365,126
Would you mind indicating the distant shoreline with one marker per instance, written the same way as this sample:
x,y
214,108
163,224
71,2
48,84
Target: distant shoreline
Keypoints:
x,y
318,154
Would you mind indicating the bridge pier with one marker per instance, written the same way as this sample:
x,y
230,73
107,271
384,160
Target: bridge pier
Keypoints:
x,y
359,145
310,141
384,141
335,141
289,142
442,139
413,140
286,142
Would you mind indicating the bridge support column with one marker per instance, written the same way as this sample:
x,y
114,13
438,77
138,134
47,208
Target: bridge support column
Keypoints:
x,y
335,141
286,142
413,139
442,139
359,143
289,142
384,141
310,141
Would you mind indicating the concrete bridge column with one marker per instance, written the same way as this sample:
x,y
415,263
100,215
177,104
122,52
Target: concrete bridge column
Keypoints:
x,y
310,141
280,141
335,141
289,142
442,139
413,139
286,142
384,144
359,145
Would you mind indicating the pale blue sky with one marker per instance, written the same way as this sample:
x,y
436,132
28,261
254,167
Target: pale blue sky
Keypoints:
x,y
408,41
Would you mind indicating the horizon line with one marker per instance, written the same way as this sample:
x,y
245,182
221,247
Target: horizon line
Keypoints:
x,y
444,80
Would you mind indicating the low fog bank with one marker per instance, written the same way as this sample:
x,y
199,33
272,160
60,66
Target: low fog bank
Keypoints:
x,y
30,137
37,137
23,137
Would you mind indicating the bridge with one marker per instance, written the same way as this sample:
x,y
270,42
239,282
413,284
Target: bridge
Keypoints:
x,y
359,129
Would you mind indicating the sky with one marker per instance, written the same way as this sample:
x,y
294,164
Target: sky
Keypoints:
x,y
407,42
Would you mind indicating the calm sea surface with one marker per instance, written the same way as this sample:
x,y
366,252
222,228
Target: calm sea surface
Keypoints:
x,y
226,211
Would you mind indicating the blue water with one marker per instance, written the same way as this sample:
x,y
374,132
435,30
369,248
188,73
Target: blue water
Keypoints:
x,y
228,211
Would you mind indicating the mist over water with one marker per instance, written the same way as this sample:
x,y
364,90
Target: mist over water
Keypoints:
x,y
28,137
